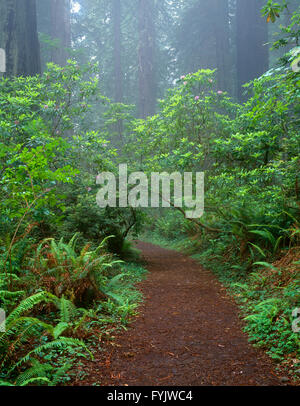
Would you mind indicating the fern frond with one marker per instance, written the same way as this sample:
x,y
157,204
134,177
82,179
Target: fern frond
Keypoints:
x,y
5,383
28,304
37,371
61,343
6,294
59,329
35,380
67,310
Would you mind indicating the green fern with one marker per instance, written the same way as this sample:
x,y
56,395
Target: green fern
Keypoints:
x,y
37,371
29,303
63,343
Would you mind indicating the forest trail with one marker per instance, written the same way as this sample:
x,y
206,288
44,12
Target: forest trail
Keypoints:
x,y
188,333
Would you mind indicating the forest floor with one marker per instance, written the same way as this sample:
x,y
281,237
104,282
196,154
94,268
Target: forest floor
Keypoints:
x,y
187,333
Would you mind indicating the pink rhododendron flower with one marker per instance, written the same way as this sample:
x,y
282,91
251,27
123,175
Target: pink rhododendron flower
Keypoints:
x,y
220,92
182,77
197,97
210,80
185,83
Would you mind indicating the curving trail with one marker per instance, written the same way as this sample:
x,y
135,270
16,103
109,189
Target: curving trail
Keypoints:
x,y
187,334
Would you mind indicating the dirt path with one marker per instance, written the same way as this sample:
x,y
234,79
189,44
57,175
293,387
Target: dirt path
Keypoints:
x,y
188,333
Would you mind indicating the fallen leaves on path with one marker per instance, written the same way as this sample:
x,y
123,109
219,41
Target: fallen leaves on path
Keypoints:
x,y
188,333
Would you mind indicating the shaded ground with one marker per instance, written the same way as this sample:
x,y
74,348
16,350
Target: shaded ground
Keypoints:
x,y
188,333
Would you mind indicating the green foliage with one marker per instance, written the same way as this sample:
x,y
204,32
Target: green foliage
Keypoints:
x,y
290,32
272,10
170,226
123,296
94,224
53,142
250,154
23,330
50,290
36,158
59,269
56,331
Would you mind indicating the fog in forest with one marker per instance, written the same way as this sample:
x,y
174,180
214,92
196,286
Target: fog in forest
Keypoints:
x,y
149,194
143,46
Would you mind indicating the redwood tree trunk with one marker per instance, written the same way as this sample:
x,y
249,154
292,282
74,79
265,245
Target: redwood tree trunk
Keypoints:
x,y
223,55
147,83
116,13
60,30
19,38
252,37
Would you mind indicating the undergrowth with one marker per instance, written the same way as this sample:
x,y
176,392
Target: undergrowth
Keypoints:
x,y
59,307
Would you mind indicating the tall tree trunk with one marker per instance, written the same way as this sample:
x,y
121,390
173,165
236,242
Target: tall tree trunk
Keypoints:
x,y
252,37
60,30
116,15
223,54
222,35
118,74
147,82
19,38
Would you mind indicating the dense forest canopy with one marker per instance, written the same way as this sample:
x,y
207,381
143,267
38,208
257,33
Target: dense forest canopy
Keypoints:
x,y
163,86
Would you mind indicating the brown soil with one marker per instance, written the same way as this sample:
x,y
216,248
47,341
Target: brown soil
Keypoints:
x,y
188,333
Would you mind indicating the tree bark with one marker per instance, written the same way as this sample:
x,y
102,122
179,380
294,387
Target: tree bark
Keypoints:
x,y
147,82
116,15
222,44
60,30
19,38
252,37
